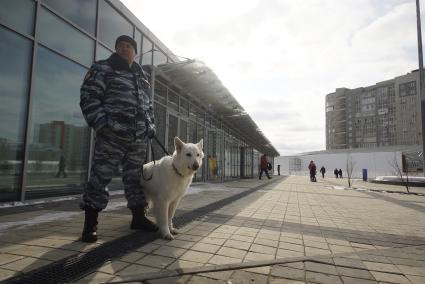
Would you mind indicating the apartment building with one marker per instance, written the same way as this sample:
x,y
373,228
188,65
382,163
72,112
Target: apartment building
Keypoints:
x,y
385,114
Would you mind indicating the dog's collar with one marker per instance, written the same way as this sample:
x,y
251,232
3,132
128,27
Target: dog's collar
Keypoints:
x,y
175,169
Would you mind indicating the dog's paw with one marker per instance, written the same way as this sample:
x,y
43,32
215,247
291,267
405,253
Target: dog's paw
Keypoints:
x,y
167,237
174,231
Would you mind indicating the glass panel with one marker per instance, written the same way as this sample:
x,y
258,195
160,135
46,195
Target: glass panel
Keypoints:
x,y
146,55
160,113
18,15
183,130
59,139
172,132
192,132
160,93
15,56
112,25
75,44
80,12
159,57
102,52
138,39
200,134
184,107
173,100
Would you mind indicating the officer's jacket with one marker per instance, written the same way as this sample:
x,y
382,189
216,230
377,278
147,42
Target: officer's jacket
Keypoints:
x,y
118,97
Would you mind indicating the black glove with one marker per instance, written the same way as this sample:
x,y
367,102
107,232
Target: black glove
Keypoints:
x,y
151,133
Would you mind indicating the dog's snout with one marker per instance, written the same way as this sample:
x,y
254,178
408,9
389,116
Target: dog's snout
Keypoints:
x,y
195,166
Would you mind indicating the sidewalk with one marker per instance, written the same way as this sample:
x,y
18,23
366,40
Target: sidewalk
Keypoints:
x,y
287,230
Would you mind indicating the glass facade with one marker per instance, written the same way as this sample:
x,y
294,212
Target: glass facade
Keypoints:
x,y
15,55
44,140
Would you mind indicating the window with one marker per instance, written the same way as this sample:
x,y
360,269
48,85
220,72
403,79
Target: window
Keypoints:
x,y
18,15
112,25
80,12
75,44
59,138
15,55
146,55
102,52
160,117
160,93
159,57
173,100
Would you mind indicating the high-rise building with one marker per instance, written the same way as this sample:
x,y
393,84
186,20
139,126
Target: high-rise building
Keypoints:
x,y
385,114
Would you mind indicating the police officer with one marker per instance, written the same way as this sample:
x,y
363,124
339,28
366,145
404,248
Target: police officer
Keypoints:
x,y
116,103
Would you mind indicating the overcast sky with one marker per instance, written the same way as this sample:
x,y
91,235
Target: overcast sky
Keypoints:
x,y
280,58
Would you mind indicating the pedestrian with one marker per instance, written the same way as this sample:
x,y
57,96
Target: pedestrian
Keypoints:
x,y
278,170
336,173
323,171
61,167
264,166
116,102
340,173
312,169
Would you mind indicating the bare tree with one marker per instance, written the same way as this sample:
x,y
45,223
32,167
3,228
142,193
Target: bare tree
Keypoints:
x,y
350,168
399,172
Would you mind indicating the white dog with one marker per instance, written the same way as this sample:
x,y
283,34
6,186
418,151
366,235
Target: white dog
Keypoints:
x,y
171,176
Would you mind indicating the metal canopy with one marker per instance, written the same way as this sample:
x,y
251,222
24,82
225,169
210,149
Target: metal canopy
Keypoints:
x,y
202,85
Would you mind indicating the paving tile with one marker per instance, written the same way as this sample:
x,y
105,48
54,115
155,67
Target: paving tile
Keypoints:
x,y
319,267
266,242
232,252
412,270
156,261
255,256
112,267
180,244
351,280
169,251
416,279
6,273
247,277
289,246
214,241
205,247
136,269
273,280
381,267
263,249
390,277
287,272
180,263
196,256
148,248
322,278
26,264
132,257
355,273
97,277
220,259
283,253
7,258
237,244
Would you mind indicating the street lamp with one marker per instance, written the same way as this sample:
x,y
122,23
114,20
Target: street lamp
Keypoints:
x,y
421,81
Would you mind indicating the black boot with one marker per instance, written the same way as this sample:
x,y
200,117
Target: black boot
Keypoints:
x,y
140,221
90,226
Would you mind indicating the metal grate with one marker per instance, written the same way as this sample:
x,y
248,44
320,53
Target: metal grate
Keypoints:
x,y
77,266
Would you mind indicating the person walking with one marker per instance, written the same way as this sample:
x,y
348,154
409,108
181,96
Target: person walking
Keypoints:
x,y
312,168
323,171
336,173
278,170
264,166
116,102
340,173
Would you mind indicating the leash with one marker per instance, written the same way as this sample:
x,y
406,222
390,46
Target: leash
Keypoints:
x,y
153,155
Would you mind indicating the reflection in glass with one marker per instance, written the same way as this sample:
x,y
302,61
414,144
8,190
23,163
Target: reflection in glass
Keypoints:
x,y
75,44
146,58
112,25
102,52
160,114
80,12
15,58
18,15
59,139
159,57
172,132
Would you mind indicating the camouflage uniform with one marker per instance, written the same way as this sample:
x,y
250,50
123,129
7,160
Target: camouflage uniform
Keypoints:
x,y
116,103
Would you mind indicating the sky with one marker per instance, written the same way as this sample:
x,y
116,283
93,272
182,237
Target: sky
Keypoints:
x,y
280,58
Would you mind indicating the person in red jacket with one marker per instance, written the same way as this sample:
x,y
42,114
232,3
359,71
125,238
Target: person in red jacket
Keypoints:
x,y
312,169
264,166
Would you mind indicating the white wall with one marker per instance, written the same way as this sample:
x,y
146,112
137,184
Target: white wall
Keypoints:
x,y
376,163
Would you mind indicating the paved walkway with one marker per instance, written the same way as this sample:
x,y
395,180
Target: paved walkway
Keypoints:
x,y
289,231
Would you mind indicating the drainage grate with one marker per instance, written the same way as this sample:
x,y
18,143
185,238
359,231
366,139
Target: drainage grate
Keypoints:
x,y
77,266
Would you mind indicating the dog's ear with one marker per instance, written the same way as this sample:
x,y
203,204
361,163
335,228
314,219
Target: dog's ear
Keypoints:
x,y
178,144
201,144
